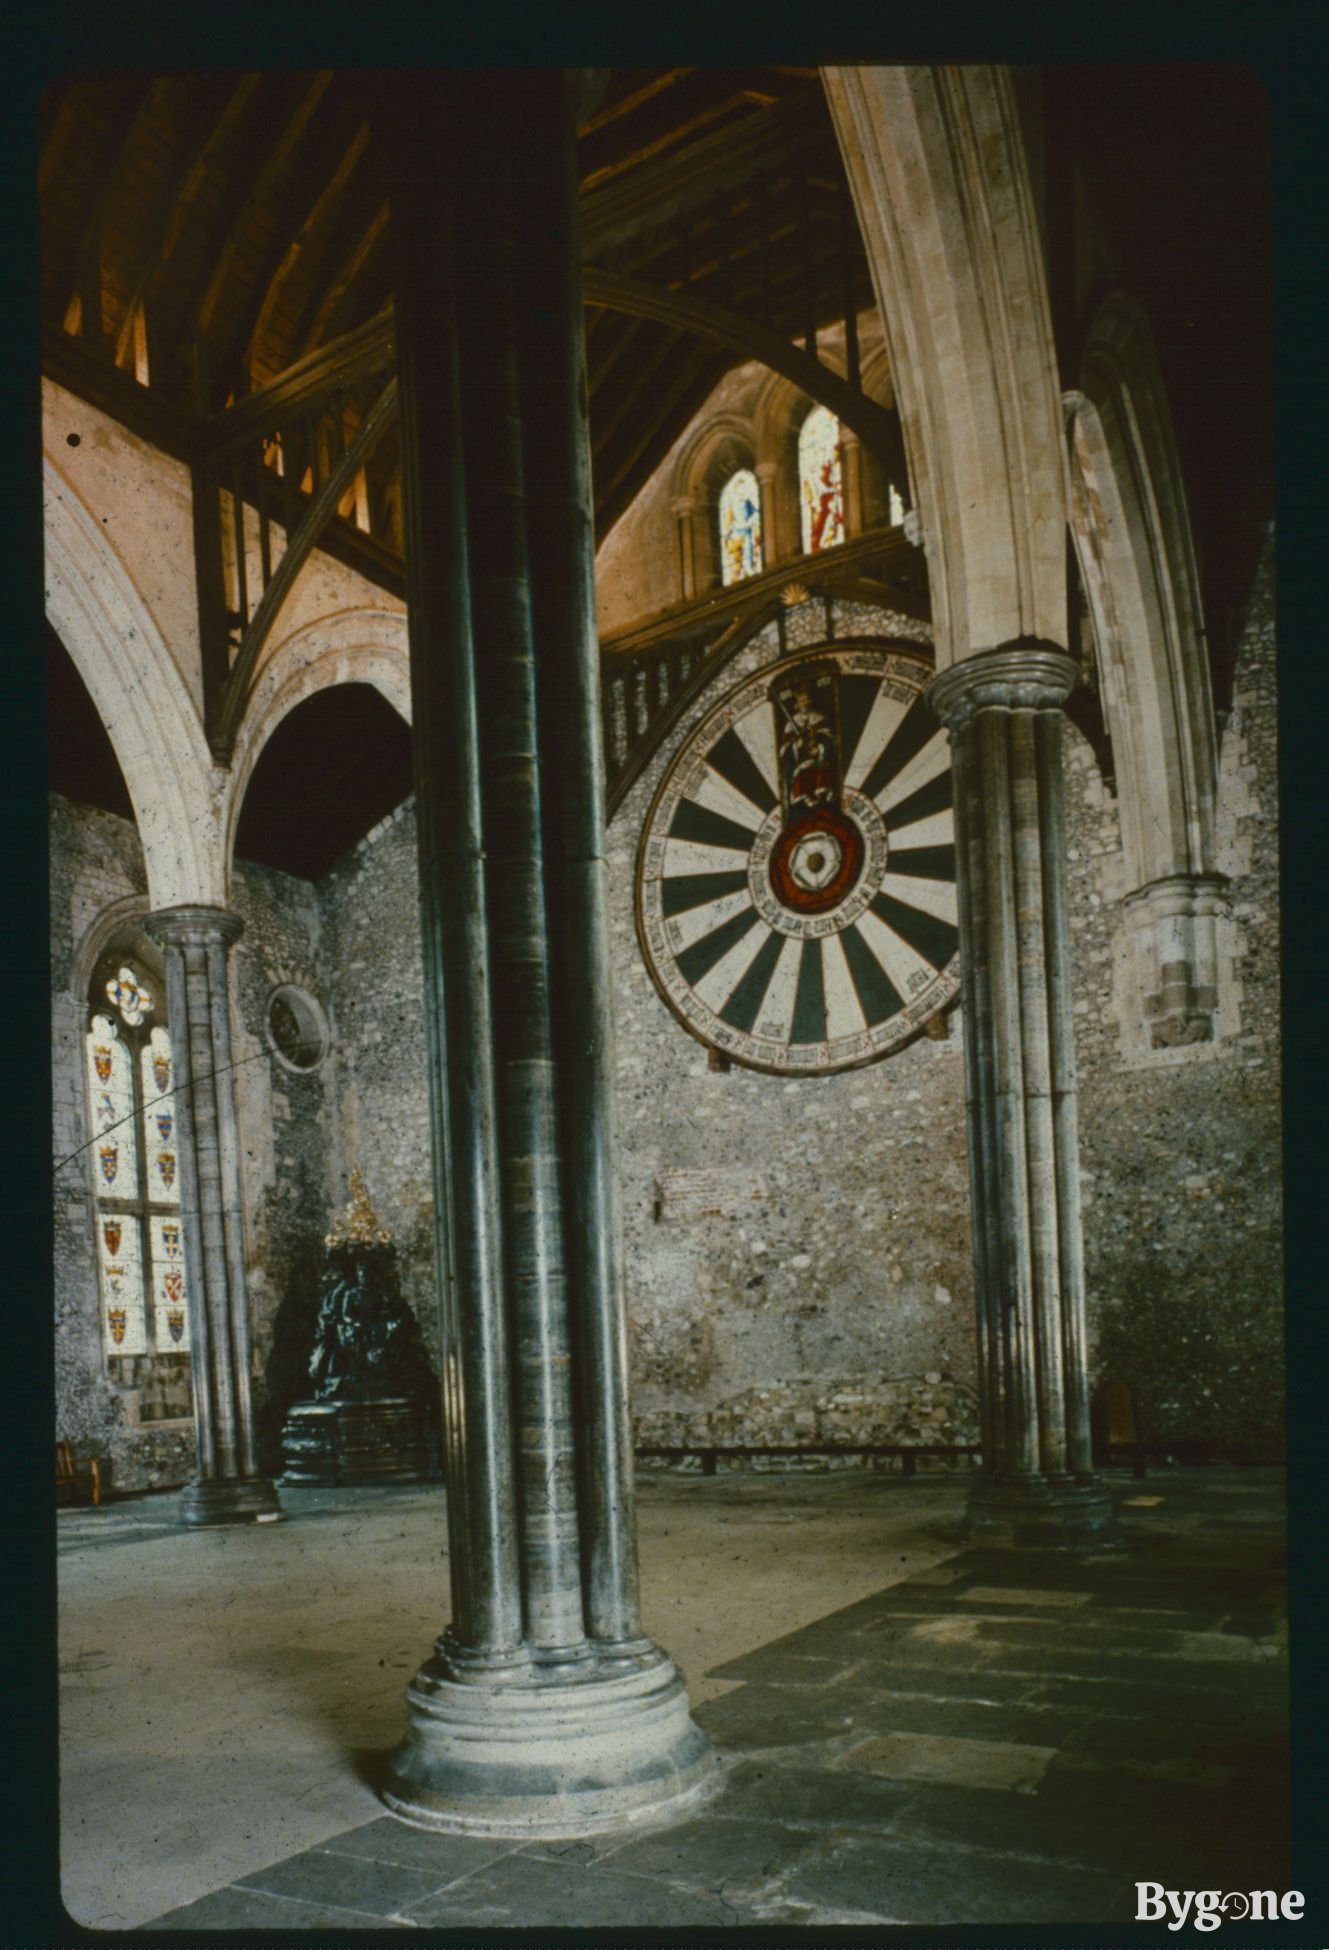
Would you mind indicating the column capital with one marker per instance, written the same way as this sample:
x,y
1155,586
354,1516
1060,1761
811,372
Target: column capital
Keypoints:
x,y
177,927
682,504
1027,675
1179,894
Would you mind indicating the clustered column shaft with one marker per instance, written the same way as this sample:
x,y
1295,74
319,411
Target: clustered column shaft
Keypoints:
x,y
544,1705
1003,709
195,943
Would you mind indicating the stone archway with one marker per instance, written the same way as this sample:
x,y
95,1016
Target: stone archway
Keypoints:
x,y
350,646
141,698
936,162
1132,534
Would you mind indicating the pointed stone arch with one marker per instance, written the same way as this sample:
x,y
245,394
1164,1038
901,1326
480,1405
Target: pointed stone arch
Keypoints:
x,y
350,646
119,652
936,162
720,444
1133,542
1133,539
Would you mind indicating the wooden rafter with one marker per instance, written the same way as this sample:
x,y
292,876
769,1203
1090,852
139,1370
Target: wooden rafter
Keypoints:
x,y
259,190
615,212
234,694
82,276
740,335
837,568
178,194
344,277
194,169
270,290
665,350
695,381
669,139
627,103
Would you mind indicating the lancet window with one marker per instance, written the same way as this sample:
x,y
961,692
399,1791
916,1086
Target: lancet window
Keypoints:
x,y
820,488
135,1161
740,528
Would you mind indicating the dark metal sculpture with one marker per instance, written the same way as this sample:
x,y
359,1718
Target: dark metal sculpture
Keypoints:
x,y
374,1412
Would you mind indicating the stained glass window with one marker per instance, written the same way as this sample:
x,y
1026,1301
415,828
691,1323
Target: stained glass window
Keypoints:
x,y
740,527
135,1158
821,493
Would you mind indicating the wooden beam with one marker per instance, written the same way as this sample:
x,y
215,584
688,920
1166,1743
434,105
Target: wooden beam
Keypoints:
x,y
661,190
55,138
666,348
112,391
747,340
629,339
299,544
274,160
84,274
626,103
698,378
179,193
669,139
177,208
302,385
843,567
269,287
344,277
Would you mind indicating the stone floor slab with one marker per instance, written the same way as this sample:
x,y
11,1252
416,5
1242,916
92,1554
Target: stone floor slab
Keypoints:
x,y
520,1891
895,1883
806,1797
794,1672
349,1882
1014,1594
255,1909
449,1856
717,1856
995,1764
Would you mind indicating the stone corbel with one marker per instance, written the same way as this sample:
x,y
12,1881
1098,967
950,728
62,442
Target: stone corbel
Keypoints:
x,y
1174,923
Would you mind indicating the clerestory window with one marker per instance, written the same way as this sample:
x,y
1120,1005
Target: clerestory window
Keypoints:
x,y
820,489
740,527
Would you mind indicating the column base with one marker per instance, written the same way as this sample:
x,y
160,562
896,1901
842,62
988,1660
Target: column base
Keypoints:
x,y
1035,1513
526,1752
228,1499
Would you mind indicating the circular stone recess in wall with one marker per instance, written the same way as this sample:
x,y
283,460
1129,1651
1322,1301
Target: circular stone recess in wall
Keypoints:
x,y
297,1029
795,888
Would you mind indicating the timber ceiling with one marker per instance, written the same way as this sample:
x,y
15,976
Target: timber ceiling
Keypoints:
x,y
204,232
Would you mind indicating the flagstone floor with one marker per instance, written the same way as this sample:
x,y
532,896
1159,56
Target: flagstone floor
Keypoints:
x,y
908,1731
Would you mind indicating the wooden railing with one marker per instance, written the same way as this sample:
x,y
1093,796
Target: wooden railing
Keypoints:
x,y
653,672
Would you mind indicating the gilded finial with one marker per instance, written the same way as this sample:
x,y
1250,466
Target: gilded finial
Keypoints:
x,y
358,1225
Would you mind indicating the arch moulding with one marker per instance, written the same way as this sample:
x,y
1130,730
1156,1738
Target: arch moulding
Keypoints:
x,y
1132,535
350,646
140,696
936,163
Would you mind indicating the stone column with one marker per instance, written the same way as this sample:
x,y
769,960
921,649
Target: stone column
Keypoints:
x,y
684,509
773,550
544,1708
195,943
1003,709
851,465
